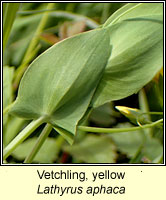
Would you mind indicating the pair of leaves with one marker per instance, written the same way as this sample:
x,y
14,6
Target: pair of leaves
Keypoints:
x,y
60,83
113,61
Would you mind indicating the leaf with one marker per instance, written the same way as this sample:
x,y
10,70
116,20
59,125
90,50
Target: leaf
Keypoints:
x,y
47,153
103,115
137,53
133,10
131,142
65,134
127,142
93,149
60,83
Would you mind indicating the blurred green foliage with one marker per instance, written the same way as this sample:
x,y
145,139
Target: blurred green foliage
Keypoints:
x,y
65,20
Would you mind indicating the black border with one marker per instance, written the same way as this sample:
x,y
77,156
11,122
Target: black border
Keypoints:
x,y
90,164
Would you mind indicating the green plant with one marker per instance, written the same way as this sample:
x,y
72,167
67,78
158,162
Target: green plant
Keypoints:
x,y
64,84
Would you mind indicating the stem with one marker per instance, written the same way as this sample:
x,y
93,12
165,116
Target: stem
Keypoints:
x,y
143,102
153,113
118,130
21,137
40,28
144,106
44,134
31,12
66,14
32,45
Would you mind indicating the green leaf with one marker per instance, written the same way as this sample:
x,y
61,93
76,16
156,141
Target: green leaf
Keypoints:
x,y
133,10
47,153
60,83
137,53
93,149
127,142
131,142
65,134
103,115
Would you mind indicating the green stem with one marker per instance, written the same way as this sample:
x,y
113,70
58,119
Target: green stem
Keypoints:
x,y
68,15
118,130
39,30
31,12
143,102
21,137
153,113
32,45
44,134
144,106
